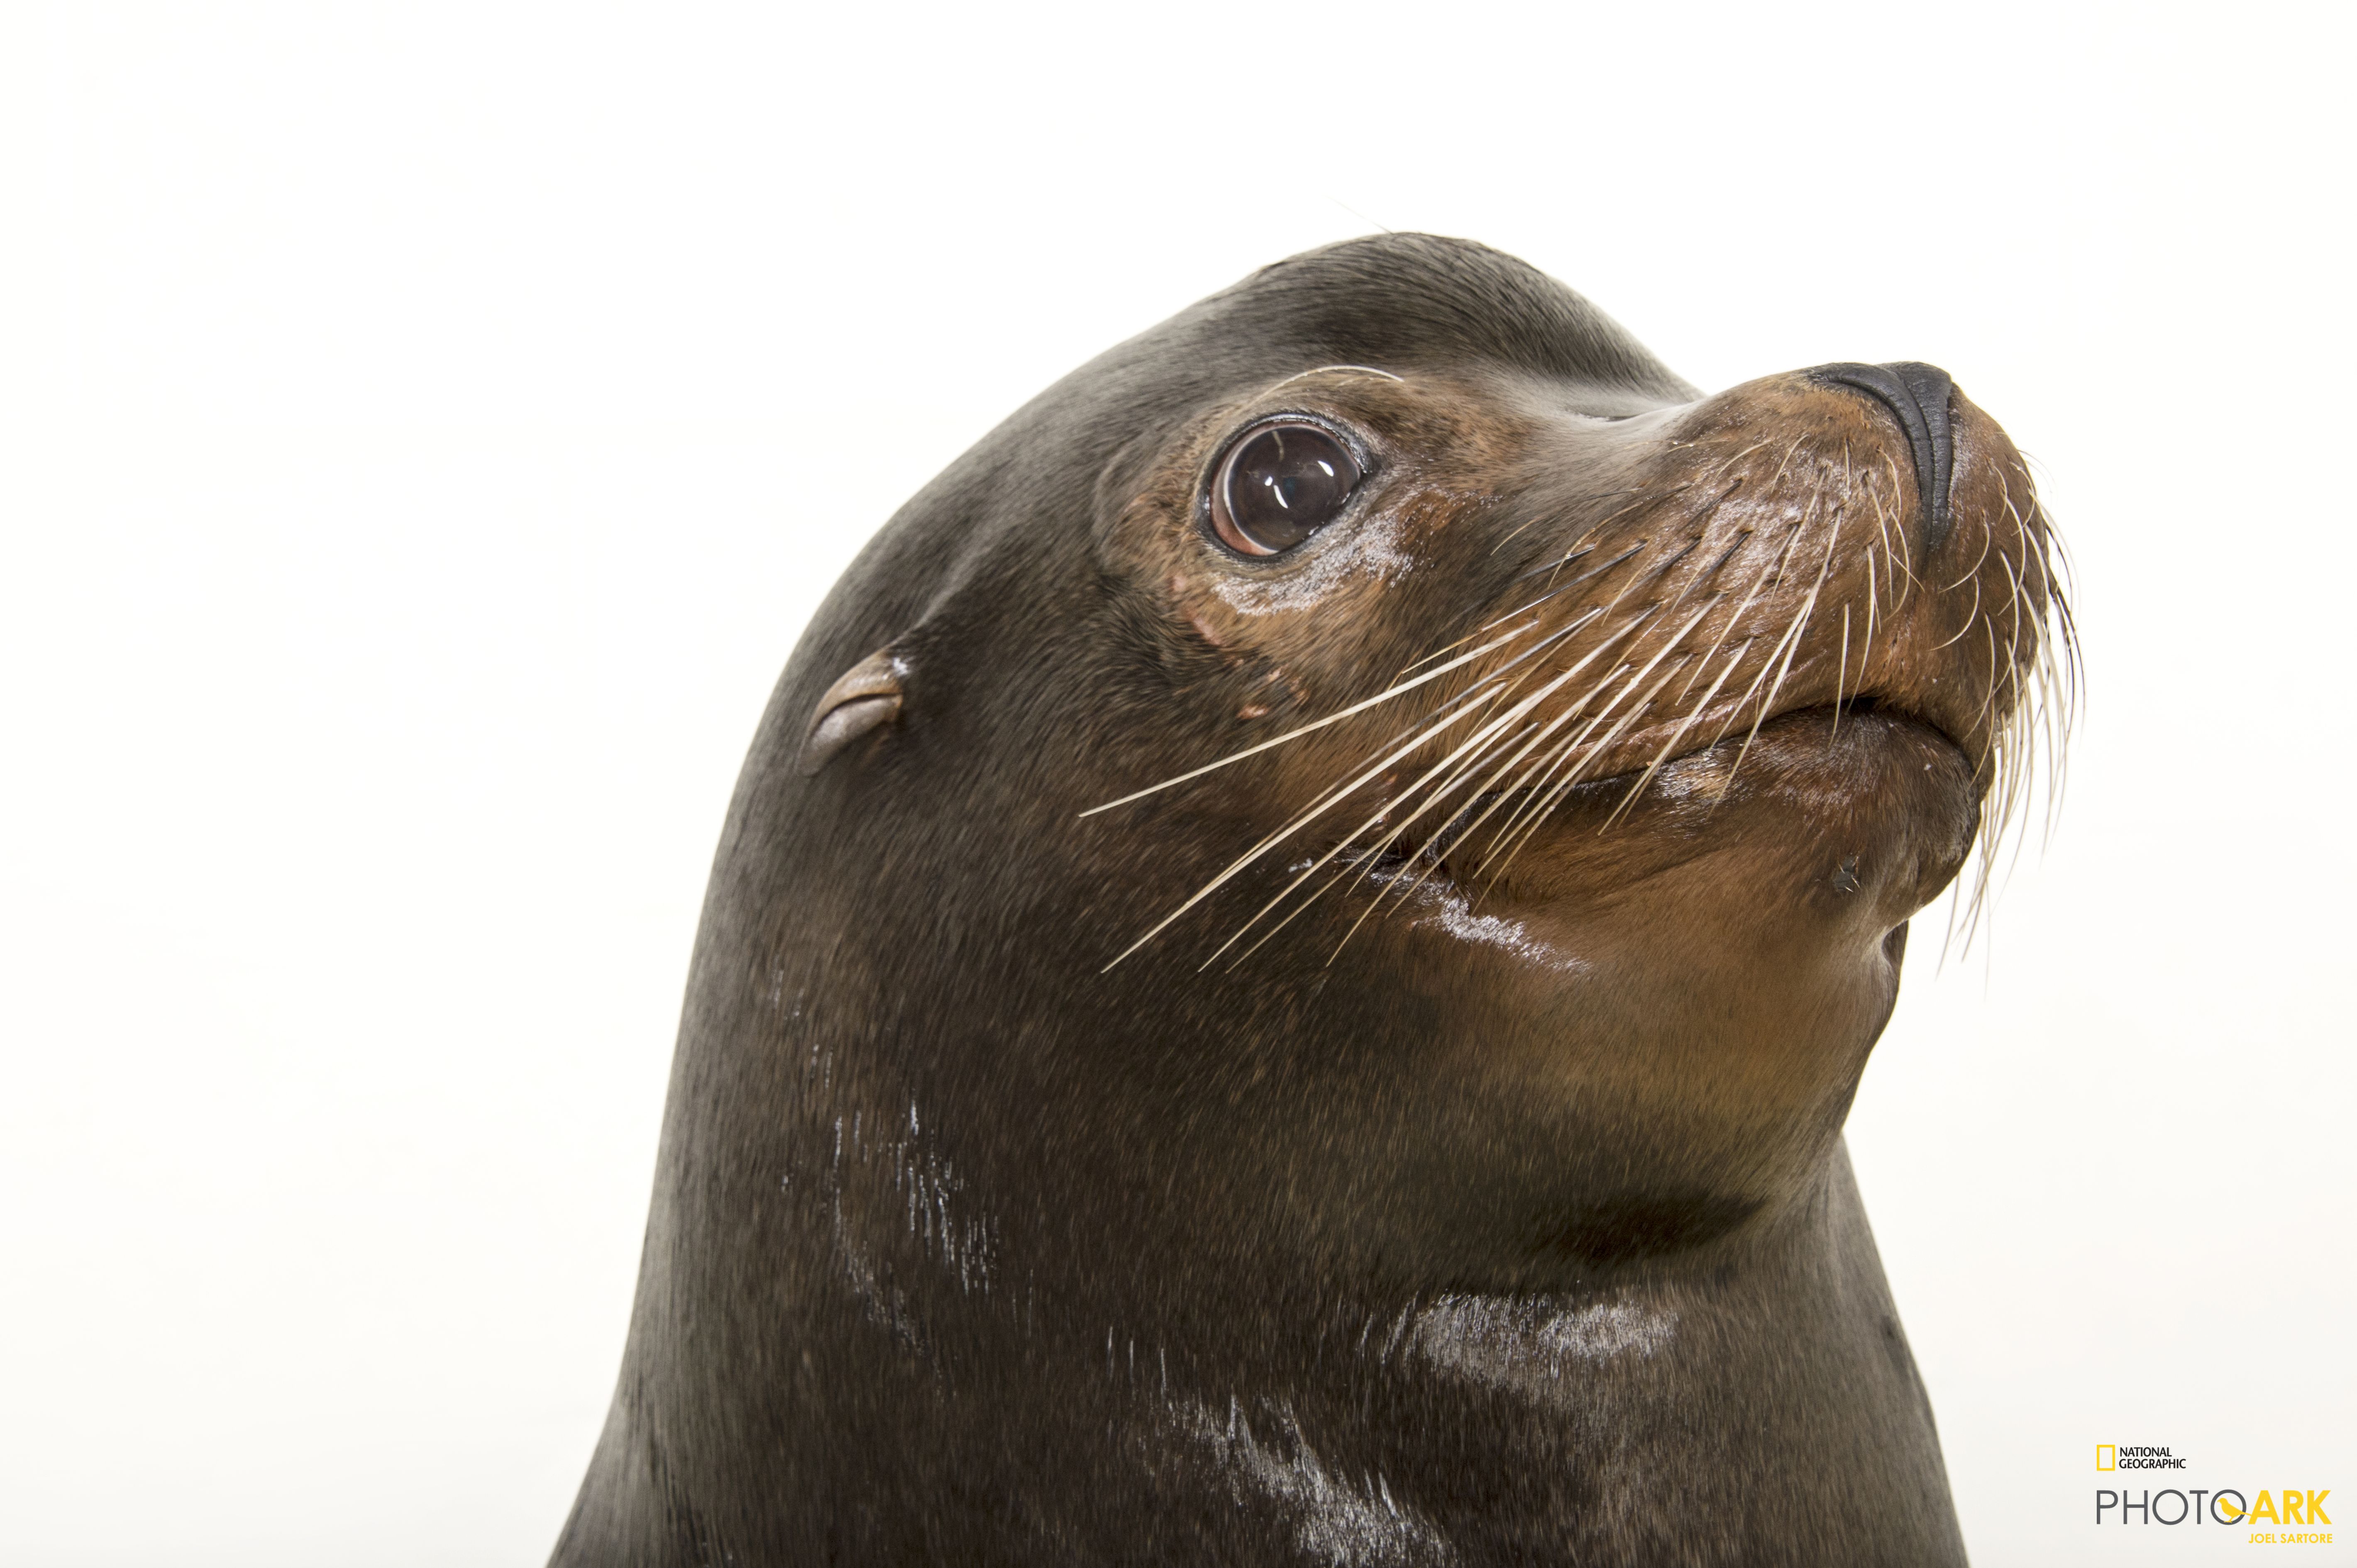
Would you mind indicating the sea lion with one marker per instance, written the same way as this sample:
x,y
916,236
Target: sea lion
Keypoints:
x,y
1283,979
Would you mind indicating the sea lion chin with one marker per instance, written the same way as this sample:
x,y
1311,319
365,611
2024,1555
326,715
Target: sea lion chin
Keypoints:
x,y
1285,973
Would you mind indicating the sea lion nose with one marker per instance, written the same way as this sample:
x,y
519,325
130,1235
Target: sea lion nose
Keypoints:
x,y
1917,396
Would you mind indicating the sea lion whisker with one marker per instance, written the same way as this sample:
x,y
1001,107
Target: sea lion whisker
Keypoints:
x,y
1728,553
1988,541
1656,575
1540,798
1571,712
1558,772
1792,539
1534,650
1377,700
1477,746
2055,716
1852,478
1535,794
2049,738
1717,501
1988,708
1324,804
2020,581
1724,463
1841,670
1549,640
1971,616
1329,369
1539,790
1948,937
1269,935
1578,752
2036,729
1590,752
1328,799
2066,628
1644,706
1905,559
1676,638
1736,710
1986,720
2062,659
2069,623
2005,491
1669,747
1479,737
2017,591
1791,645
2020,755
1733,619
1852,481
1537,737
1983,879
1364,867
1461,641
1496,688
1467,768
2050,756
1885,557
1505,688
1873,607
1530,793
1750,597
1572,501
1559,588
1584,576
1404,886
1522,527
1681,487
1478,630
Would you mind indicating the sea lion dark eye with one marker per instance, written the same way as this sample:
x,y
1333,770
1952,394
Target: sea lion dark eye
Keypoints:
x,y
1281,484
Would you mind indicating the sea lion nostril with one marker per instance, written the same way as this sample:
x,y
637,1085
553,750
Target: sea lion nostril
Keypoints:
x,y
1917,396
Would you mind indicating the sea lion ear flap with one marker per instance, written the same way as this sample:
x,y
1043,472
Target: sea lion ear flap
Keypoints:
x,y
863,698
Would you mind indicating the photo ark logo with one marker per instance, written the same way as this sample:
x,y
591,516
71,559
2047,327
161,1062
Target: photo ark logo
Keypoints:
x,y
2295,1515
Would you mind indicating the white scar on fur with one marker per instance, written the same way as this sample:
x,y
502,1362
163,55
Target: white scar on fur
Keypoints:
x,y
1527,1343
1457,917
1345,1524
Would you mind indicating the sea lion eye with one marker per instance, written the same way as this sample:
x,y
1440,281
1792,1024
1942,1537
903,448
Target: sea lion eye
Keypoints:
x,y
1281,484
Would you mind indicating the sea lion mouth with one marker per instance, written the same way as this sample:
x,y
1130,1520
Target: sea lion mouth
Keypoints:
x,y
1545,835
1696,783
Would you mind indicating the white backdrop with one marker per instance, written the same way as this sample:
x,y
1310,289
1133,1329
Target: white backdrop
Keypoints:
x,y
424,431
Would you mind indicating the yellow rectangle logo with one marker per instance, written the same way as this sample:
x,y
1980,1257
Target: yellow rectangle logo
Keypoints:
x,y
2107,1455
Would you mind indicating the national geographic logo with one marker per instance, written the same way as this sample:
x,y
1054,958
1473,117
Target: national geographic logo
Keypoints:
x,y
2295,1511
2138,1456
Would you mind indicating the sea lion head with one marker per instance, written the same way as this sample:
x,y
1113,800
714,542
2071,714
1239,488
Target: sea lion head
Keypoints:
x,y
1380,757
